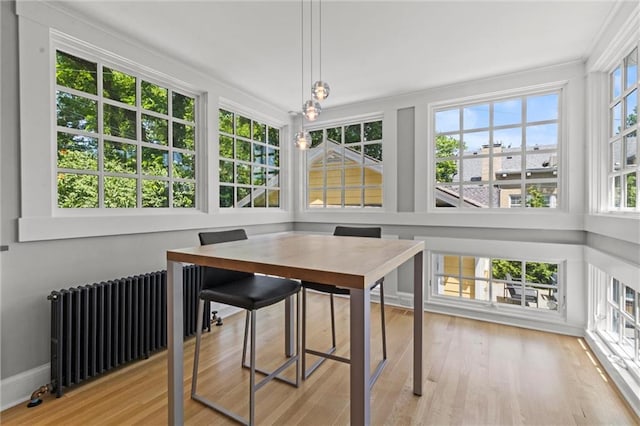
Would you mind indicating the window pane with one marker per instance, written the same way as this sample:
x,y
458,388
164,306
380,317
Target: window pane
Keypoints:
x,y
334,197
631,107
353,197
259,153
449,286
273,157
225,121
259,132
226,146
274,198
274,136
155,193
614,292
353,176
243,197
120,157
447,146
273,177
316,138
155,130
243,150
616,119
226,196
118,86
373,131
184,194
77,190
335,134
184,136
632,190
373,197
259,198
508,138
476,196
226,171
616,83
259,176
154,98
542,136
155,163
614,325
631,68
541,273
183,107
315,198
473,143
631,149
448,121
76,73
616,155
617,191
76,112
184,166
542,195
243,174
352,133
120,192
243,126
509,270
373,152
119,122
629,301
77,152
540,108
507,112
475,117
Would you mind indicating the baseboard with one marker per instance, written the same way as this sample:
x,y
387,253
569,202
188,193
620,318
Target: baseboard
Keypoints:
x,y
17,389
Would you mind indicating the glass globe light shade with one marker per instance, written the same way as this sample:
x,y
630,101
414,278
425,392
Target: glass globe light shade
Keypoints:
x,y
311,110
302,140
320,90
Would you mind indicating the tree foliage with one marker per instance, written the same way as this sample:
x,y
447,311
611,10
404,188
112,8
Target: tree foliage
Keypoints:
x,y
446,146
535,272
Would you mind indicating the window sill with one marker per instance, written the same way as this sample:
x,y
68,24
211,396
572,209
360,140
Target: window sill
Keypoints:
x,y
67,227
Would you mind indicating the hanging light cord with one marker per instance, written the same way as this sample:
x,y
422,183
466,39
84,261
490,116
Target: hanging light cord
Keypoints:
x,y
302,52
320,41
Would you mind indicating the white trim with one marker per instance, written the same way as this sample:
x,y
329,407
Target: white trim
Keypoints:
x,y
17,389
627,387
622,41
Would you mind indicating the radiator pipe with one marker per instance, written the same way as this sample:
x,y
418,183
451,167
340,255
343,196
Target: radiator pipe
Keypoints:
x,y
35,396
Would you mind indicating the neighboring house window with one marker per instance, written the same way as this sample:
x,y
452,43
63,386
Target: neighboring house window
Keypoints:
x,y
497,281
624,167
344,166
249,162
123,140
617,321
487,154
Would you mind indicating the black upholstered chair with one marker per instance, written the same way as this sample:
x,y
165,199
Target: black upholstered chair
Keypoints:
x,y
250,292
345,231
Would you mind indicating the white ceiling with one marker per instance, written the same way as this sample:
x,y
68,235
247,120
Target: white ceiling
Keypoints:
x,y
370,49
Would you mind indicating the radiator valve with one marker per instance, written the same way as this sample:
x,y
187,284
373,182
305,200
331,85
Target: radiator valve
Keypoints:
x,y
35,396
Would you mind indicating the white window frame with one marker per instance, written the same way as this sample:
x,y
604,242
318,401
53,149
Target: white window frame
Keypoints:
x,y
336,123
62,43
253,115
561,149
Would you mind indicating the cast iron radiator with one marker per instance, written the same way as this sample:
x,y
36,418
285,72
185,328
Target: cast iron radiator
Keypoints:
x,y
98,327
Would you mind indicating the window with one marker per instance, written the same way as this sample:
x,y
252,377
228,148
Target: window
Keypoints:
x,y
249,162
123,141
623,166
497,281
617,320
344,166
489,154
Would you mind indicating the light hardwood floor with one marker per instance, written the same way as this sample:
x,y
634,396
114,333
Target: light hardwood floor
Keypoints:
x,y
476,373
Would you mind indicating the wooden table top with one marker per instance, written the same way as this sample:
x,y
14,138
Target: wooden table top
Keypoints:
x,y
353,262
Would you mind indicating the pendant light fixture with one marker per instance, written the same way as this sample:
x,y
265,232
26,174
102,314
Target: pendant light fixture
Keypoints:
x,y
302,138
311,108
320,89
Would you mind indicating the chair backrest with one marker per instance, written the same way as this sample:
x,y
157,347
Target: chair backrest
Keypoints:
x,y
212,277
352,231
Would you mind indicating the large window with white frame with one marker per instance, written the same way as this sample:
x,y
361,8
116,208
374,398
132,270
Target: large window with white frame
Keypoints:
x,y
498,153
249,161
344,167
484,280
123,139
623,165
617,320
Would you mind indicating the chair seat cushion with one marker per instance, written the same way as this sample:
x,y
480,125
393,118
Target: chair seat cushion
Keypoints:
x,y
253,292
331,289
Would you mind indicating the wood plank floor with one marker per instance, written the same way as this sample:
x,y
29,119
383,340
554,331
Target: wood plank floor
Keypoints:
x,y
476,373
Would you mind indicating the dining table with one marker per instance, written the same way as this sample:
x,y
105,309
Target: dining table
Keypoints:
x,y
349,262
